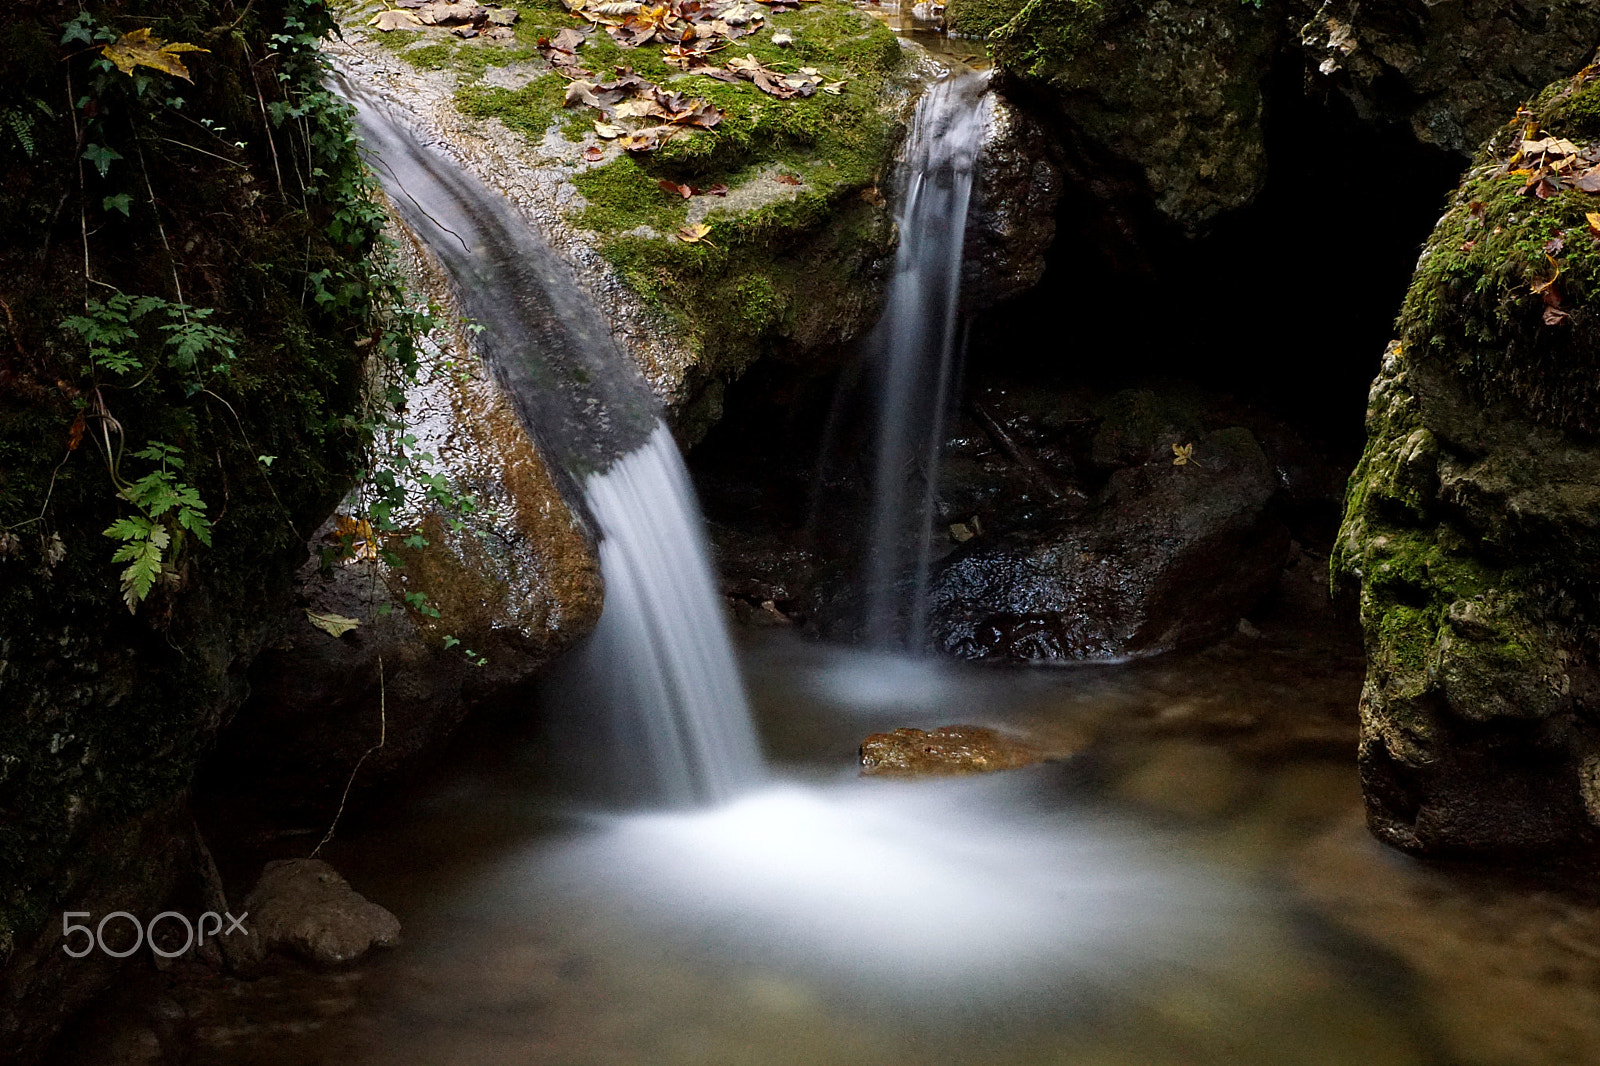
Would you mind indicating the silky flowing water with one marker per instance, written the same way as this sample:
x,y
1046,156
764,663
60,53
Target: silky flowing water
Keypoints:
x,y
1193,886
914,350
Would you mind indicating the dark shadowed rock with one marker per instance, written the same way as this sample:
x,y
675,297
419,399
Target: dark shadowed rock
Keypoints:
x,y
1012,219
1167,555
303,907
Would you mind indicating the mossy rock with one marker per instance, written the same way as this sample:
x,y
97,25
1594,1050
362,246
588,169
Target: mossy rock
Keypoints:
x,y
1472,523
799,244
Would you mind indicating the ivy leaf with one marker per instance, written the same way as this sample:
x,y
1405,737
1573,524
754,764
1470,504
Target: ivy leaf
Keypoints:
x,y
119,202
101,157
335,625
138,49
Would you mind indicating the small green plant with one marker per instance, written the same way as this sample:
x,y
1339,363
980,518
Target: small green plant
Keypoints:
x,y
192,346
169,510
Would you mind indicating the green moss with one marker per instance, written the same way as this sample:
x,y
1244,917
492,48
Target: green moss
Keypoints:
x,y
1406,636
1044,35
622,196
980,18
528,110
1474,304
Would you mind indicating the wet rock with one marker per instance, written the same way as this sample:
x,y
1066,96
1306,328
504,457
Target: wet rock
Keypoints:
x,y
951,749
303,907
1168,554
803,291
1472,528
1012,219
506,588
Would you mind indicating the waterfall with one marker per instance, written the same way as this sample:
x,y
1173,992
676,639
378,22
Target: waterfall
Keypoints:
x,y
662,642
661,659
916,356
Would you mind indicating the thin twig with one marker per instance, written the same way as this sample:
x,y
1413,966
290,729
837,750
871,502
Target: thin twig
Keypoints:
x,y
202,151
172,260
383,733
266,124
252,449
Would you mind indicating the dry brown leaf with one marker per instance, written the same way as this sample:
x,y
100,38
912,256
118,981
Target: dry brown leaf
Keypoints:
x,y
593,154
389,21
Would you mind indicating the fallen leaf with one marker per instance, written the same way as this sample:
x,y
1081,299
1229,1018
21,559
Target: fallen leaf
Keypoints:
x,y
1588,181
789,179
1554,245
718,189
75,434
593,154
335,625
1541,286
363,542
446,14
695,233
1184,454
609,130
389,21
1593,218
675,189
137,48
505,16
582,92
1554,316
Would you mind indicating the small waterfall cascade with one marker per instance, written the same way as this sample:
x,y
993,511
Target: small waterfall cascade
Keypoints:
x,y
662,643
917,357
661,661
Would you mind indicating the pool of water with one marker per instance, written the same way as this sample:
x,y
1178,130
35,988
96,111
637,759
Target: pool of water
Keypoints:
x,y
1189,884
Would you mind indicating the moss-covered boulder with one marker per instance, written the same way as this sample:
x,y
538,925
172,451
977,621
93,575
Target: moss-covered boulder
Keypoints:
x,y
1472,524
799,235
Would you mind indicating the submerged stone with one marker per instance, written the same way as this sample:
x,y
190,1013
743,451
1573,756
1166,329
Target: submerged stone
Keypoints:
x,y
951,749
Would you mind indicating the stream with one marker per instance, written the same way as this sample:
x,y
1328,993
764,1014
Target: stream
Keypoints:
x,y
1194,886
645,873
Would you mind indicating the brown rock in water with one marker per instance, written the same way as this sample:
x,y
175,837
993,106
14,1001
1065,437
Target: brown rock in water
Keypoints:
x,y
303,906
951,749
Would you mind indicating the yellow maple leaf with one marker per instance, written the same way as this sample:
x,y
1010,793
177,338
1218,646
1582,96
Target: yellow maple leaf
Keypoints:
x,y
695,234
137,48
